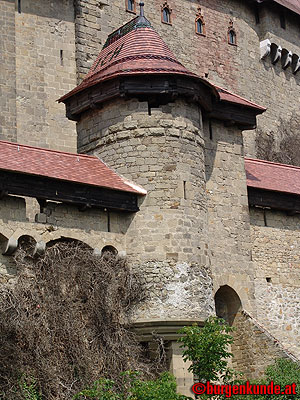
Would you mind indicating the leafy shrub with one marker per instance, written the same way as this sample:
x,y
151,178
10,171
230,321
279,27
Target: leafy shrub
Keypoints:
x,y
207,349
163,388
283,372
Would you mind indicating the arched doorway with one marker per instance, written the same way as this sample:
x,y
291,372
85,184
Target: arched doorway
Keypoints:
x,y
227,303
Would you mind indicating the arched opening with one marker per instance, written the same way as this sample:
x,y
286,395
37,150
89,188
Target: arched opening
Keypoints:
x,y
3,242
26,244
199,23
227,303
109,250
200,26
166,14
232,37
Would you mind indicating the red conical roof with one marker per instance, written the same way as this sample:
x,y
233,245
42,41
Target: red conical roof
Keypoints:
x,y
135,48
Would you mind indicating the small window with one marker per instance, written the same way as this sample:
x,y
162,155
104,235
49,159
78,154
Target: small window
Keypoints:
x,y
231,34
200,24
200,27
130,6
232,37
166,14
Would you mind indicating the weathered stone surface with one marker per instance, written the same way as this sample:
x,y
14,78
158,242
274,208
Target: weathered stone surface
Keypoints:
x,y
193,233
167,237
276,256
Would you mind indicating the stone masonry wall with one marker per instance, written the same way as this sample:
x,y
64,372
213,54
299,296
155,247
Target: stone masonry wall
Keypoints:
x,y
228,217
237,68
50,36
59,222
7,71
254,349
166,239
45,70
277,274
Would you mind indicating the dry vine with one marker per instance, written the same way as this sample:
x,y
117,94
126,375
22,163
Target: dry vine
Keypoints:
x,y
282,145
64,321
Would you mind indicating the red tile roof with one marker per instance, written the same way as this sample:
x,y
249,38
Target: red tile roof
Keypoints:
x,y
84,169
137,49
272,176
227,96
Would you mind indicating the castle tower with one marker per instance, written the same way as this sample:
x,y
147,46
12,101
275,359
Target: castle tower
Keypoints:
x,y
142,112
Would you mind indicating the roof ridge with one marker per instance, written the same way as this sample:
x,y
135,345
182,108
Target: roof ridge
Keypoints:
x,y
257,160
137,22
47,150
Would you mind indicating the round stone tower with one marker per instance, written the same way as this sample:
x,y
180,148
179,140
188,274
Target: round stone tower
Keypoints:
x,y
141,112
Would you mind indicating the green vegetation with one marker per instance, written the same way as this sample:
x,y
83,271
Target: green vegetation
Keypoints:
x,y
29,389
133,388
64,324
283,372
207,349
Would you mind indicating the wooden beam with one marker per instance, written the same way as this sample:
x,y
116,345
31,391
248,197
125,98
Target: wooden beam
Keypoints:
x,y
45,188
234,114
276,200
164,87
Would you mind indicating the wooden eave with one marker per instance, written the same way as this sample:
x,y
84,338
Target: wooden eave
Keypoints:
x,y
84,196
288,202
161,89
235,114
156,89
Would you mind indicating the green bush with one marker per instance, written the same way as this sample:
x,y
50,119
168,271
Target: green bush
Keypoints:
x,y
133,388
207,349
283,372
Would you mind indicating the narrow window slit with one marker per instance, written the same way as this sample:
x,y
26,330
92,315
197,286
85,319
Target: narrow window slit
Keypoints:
x,y
19,6
282,20
108,221
184,190
210,130
61,57
256,12
265,218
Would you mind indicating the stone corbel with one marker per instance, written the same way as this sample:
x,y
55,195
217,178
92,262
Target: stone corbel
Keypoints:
x,y
40,248
275,53
286,58
97,252
10,246
295,63
265,48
